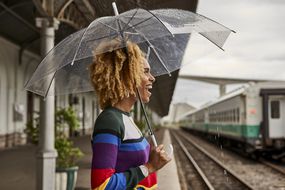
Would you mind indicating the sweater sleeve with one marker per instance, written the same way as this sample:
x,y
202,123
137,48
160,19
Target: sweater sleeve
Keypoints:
x,y
107,137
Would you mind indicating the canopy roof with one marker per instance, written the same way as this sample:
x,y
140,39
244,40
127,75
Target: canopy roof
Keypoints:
x,y
17,24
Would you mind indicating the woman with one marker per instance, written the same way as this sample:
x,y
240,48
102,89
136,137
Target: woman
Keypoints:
x,y
122,157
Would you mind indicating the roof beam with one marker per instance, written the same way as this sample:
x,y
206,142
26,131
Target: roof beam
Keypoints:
x,y
63,8
48,6
39,8
89,7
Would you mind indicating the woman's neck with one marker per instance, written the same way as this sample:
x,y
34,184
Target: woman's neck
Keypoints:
x,y
126,104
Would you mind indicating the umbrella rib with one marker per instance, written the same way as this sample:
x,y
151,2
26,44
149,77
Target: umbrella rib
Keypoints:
x,y
131,19
77,48
108,26
50,84
159,58
114,34
152,47
160,21
139,23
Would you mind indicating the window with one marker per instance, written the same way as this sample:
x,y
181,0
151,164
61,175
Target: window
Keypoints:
x,y
275,109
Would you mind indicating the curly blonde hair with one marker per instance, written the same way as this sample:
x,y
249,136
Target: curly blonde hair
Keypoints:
x,y
114,74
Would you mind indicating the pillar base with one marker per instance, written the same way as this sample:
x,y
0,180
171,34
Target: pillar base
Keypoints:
x,y
46,162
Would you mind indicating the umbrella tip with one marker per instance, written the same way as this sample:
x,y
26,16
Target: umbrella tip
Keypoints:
x,y
115,8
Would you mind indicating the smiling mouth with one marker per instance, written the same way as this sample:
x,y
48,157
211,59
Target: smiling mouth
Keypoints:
x,y
149,88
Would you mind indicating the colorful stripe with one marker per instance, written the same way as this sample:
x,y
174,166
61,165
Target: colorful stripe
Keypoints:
x,y
103,185
134,146
115,162
106,138
132,157
106,151
117,181
107,179
148,181
99,176
141,187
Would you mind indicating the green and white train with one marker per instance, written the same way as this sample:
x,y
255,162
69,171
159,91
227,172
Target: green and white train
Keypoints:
x,y
253,117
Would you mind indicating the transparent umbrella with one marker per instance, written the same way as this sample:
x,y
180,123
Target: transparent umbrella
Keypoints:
x,y
162,34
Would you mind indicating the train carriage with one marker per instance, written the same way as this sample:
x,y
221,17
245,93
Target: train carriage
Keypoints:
x,y
252,116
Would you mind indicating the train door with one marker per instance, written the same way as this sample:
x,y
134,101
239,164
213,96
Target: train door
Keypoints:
x,y
276,116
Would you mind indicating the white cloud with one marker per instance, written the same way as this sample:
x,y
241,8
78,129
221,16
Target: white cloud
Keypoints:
x,y
257,50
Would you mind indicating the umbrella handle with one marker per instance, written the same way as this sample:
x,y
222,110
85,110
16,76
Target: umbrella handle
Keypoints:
x,y
153,140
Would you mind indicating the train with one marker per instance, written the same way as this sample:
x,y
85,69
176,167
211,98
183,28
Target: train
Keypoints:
x,y
251,118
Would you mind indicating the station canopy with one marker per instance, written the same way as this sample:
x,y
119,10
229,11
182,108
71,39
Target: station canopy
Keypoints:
x,y
17,24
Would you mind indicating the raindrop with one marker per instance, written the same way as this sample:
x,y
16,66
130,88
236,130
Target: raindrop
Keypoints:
x,y
225,172
221,147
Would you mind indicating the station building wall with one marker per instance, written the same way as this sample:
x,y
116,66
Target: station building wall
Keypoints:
x,y
14,99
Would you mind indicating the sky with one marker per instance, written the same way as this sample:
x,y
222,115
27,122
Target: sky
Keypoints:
x,y
256,50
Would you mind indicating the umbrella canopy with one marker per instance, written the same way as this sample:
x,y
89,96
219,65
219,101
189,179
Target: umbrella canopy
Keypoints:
x,y
162,34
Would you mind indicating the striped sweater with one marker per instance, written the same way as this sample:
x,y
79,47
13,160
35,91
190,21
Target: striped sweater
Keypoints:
x,y
118,150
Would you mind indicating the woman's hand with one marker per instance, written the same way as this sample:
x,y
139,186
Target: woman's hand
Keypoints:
x,y
157,159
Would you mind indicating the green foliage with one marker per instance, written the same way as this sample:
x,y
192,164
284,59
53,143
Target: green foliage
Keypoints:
x,y
32,131
68,155
65,118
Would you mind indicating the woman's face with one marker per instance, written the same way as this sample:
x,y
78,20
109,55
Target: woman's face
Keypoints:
x,y
146,84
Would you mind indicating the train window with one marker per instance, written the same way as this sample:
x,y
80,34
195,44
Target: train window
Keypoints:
x,y
275,109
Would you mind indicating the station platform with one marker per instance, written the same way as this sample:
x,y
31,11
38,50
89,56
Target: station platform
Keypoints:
x,y
168,175
18,167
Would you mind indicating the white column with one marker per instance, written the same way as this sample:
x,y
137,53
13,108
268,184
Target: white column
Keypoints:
x,y
46,155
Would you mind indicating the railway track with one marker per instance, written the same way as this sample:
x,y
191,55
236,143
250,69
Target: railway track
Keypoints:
x,y
258,175
276,167
207,171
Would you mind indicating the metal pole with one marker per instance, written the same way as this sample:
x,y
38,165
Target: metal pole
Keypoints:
x,y
46,154
147,121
